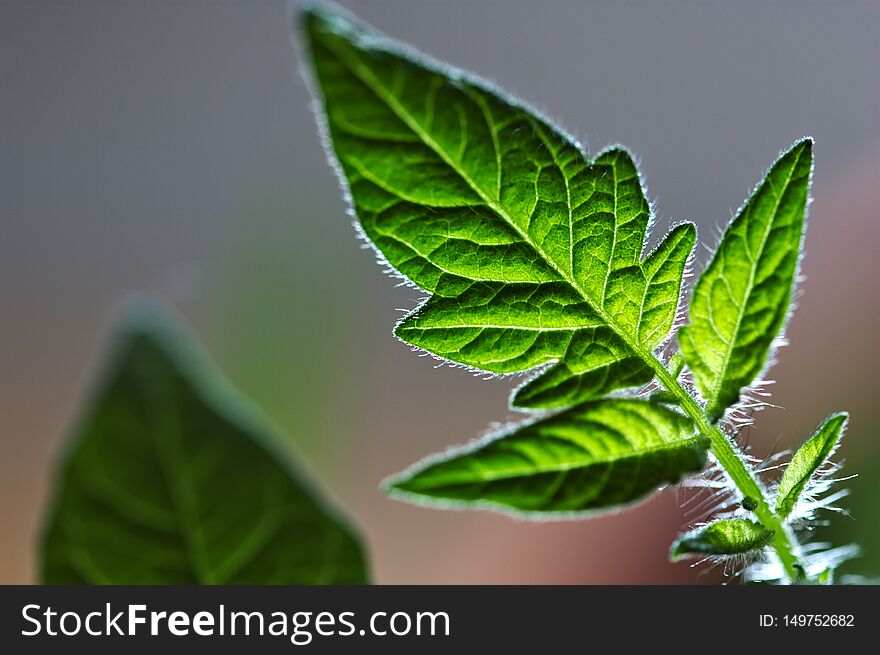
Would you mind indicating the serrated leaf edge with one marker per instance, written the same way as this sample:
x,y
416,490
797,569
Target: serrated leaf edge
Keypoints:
x,y
373,38
797,278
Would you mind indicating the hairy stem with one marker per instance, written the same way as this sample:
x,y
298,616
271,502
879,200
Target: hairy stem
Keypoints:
x,y
732,461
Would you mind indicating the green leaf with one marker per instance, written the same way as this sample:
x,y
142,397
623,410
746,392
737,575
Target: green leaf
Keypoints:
x,y
741,301
807,460
172,479
724,537
533,254
598,455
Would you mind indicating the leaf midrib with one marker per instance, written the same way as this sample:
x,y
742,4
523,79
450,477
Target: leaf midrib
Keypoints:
x,y
369,80
507,474
723,449
716,388
180,490
493,326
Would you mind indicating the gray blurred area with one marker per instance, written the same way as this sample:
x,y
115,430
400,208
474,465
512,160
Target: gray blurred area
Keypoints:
x,y
170,146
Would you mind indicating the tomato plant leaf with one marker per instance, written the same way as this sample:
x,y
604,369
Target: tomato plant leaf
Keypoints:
x,y
724,537
534,260
741,300
807,460
533,253
598,455
171,478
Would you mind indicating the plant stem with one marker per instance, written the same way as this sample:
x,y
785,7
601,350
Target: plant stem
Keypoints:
x,y
732,461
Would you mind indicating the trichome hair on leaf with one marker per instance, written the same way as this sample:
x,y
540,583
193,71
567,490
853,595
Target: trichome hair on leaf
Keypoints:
x,y
533,257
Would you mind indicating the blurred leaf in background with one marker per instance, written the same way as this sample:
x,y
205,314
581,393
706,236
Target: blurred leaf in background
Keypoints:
x,y
172,478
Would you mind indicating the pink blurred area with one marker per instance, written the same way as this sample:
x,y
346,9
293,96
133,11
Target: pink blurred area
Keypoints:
x,y
171,147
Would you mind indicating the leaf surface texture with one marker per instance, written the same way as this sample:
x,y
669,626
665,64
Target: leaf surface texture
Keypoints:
x,y
532,253
597,455
807,461
741,300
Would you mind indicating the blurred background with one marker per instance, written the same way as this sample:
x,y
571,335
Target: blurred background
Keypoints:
x,y
170,146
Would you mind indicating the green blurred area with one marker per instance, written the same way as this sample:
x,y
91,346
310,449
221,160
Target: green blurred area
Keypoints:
x,y
274,320
172,147
861,526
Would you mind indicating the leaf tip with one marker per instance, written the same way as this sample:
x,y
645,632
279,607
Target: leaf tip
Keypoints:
x,y
395,484
323,16
839,417
801,147
317,11
687,232
528,397
836,424
806,142
147,319
411,486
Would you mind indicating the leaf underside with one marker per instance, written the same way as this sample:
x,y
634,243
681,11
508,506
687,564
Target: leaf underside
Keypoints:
x,y
533,256
724,537
170,480
742,299
807,460
597,455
